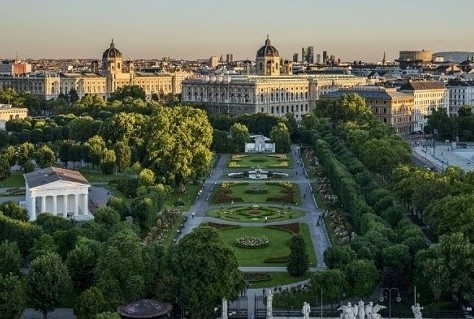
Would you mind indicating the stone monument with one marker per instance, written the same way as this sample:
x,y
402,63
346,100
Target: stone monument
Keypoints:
x,y
306,310
417,311
269,304
224,309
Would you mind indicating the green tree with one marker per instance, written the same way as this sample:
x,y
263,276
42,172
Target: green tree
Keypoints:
x,y
239,135
107,315
143,211
81,262
203,252
45,157
11,258
12,296
443,123
47,283
119,270
13,210
107,216
338,256
73,96
178,144
95,148
43,246
4,167
123,154
331,284
298,262
107,163
133,91
10,153
451,270
64,151
25,153
90,303
348,107
83,128
281,137
362,277
146,177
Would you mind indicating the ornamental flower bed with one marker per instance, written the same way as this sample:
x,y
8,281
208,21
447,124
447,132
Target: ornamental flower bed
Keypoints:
x,y
252,241
256,190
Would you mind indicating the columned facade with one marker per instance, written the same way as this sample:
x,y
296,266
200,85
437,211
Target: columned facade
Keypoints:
x,y
57,191
69,205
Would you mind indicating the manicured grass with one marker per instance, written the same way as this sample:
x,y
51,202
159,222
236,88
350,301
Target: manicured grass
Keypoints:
x,y
278,246
273,190
279,278
309,245
187,198
259,160
255,214
15,179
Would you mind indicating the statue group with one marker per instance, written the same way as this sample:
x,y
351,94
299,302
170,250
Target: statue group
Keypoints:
x,y
361,311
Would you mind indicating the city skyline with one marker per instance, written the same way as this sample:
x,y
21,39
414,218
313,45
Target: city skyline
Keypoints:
x,y
351,30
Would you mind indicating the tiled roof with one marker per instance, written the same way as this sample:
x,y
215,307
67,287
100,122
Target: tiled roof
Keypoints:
x,y
421,85
53,174
369,94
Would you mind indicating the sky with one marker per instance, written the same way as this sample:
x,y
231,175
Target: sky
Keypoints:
x,y
192,29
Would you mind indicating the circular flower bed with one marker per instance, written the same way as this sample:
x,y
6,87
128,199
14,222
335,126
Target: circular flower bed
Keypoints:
x,y
252,242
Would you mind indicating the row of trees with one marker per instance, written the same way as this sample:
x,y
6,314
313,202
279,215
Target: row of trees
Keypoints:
x,y
391,241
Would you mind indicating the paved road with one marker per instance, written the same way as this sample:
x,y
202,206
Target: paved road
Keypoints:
x,y
445,155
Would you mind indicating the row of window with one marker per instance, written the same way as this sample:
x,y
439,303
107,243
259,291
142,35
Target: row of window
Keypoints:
x,y
292,108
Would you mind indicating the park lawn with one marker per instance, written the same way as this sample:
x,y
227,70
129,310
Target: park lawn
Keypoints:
x,y
15,179
278,246
238,190
279,278
310,250
263,161
187,198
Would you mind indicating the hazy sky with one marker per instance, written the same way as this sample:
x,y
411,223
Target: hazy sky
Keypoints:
x,y
189,29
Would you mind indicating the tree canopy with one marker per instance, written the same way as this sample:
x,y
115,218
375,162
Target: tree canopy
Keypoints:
x,y
207,271
179,139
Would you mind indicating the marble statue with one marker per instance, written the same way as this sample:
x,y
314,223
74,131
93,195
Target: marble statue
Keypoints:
x,y
375,310
368,309
306,310
417,311
361,310
347,311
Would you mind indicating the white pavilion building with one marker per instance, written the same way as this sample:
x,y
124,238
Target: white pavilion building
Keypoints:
x,y
58,191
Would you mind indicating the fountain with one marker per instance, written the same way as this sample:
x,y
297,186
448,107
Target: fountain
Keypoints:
x,y
257,173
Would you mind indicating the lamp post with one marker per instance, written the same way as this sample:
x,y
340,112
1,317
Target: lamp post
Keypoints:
x,y
321,302
389,293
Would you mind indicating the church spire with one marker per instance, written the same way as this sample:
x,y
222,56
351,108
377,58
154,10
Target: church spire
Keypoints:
x,y
383,59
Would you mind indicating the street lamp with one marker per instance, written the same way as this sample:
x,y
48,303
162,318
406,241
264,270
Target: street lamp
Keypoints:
x,y
389,293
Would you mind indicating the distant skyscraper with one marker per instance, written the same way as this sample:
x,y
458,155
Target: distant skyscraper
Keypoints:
x,y
303,55
310,55
229,58
325,57
318,58
295,57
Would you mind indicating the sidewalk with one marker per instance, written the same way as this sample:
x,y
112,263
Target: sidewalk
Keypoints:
x,y
444,155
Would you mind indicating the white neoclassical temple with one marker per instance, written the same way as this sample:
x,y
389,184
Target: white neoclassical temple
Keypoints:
x,y
260,145
57,191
